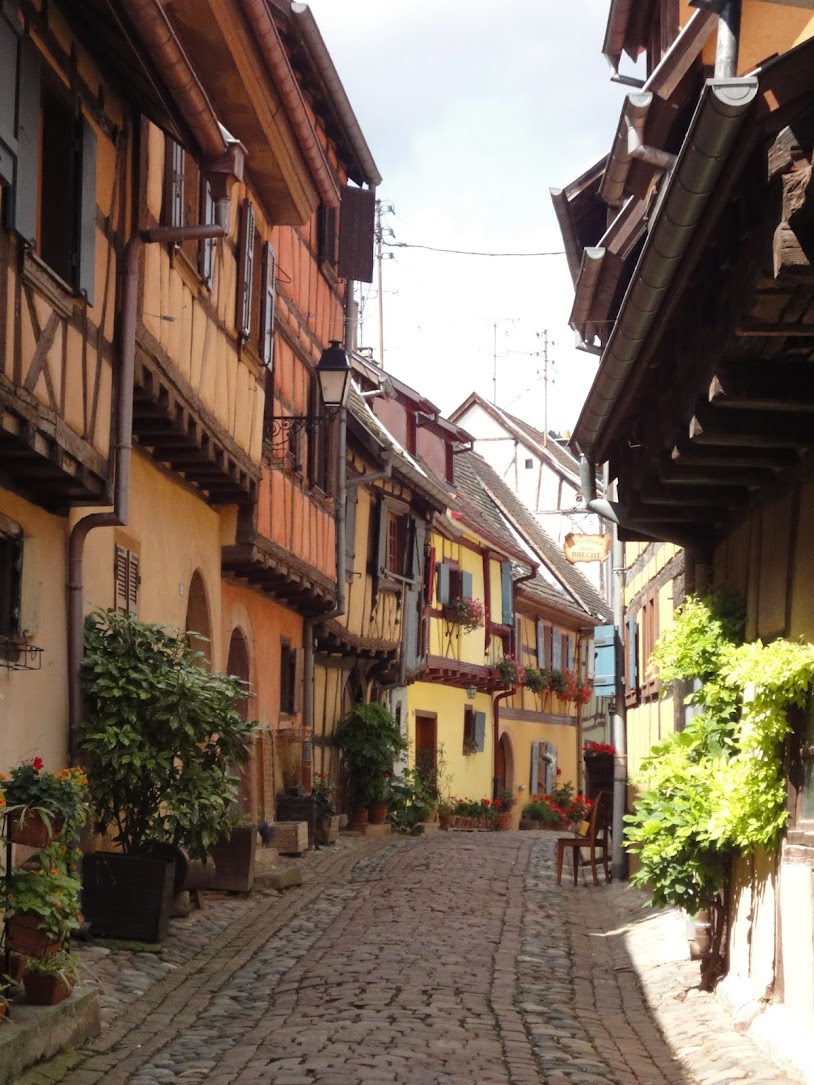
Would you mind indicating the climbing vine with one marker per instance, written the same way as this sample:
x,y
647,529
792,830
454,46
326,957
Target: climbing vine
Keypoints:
x,y
717,787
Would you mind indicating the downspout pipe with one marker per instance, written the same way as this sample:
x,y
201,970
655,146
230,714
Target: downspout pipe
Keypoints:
x,y
728,40
124,440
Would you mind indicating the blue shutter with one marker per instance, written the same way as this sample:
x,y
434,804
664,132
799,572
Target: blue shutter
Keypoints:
x,y
569,654
466,585
86,275
632,654
605,661
540,645
506,592
9,37
556,650
443,584
480,732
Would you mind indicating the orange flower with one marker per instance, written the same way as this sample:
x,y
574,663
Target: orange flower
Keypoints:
x,y
54,871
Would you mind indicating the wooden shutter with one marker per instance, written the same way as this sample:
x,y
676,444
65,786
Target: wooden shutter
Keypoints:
x,y
26,179
86,272
466,585
245,270
268,299
632,655
133,582
480,732
429,580
549,751
173,183
506,592
351,500
326,235
548,638
556,650
605,661
357,213
443,584
568,651
9,39
381,552
207,247
534,779
541,661
120,578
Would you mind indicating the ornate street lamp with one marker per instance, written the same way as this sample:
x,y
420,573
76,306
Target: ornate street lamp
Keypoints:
x,y
333,374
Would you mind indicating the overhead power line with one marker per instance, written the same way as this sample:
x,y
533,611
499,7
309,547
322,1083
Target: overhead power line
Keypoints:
x,y
468,252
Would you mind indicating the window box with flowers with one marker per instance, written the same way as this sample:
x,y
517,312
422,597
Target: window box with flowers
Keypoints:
x,y
465,612
511,671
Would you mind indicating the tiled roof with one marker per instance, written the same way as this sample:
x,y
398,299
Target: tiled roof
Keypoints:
x,y
485,498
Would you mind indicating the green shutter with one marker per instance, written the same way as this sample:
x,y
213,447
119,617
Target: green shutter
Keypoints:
x,y
506,592
86,275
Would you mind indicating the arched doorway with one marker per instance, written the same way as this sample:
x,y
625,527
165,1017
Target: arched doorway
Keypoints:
x,y
237,664
197,620
505,764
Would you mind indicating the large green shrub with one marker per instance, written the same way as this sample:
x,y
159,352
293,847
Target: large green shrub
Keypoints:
x,y
369,739
162,736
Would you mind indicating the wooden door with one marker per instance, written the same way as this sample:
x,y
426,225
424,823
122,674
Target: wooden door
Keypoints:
x,y
426,745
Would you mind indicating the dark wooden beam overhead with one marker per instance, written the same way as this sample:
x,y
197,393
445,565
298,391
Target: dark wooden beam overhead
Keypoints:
x,y
718,497
781,330
687,453
758,386
687,475
748,429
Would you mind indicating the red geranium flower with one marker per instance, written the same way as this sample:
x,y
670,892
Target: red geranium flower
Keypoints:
x,y
38,763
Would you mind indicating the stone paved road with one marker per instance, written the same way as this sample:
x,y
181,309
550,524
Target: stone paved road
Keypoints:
x,y
451,959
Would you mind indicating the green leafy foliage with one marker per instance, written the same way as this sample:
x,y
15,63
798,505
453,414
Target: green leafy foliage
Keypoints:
x,y
369,739
718,786
47,887
163,736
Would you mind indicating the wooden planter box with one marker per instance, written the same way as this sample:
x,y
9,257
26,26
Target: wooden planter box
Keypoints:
x,y
290,837
598,774
233,856
298,808
127,896
24,936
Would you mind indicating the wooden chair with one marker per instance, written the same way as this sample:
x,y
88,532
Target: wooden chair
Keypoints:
x,y
595,838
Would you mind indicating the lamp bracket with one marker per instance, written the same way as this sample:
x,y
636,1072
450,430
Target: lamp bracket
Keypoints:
x,y
280,430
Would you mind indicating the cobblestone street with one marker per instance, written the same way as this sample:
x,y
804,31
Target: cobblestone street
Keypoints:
x,y
438,960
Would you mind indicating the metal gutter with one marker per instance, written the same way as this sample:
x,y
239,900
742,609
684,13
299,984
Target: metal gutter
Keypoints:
x,y
562,199
722,108
630,143
273,52
616,31
305,23
154,29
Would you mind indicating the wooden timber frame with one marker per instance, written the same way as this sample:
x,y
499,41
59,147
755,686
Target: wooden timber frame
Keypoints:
x,y
718,413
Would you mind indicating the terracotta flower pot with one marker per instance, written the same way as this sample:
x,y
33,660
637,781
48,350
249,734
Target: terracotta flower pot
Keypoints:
x,y
359,819
445,822
32,830
43,989
377,813
504,822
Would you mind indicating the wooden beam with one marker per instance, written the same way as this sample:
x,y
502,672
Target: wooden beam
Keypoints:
x,y
749,429
686,453
689,474
780,330
721,496
765,386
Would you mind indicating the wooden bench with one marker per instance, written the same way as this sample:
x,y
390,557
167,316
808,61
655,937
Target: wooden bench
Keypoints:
x,y
595,838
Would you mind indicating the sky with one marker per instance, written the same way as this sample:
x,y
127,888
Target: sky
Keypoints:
x,y
472,110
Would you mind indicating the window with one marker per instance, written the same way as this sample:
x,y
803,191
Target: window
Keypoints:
x,y
474,737
53,202
396,543
188,202
11,578
320,441
127,580
288,679
256,287
394,539
529,464
649,633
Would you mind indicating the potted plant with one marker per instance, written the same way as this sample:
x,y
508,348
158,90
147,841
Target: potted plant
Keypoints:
x,y
162,738
42,902
380,795
41,805
503,804
466,612
510,671
51,978
369,739
327,820
536,681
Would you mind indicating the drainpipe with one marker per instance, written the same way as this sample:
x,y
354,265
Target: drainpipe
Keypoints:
x,y
727,41
636,117
124,428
